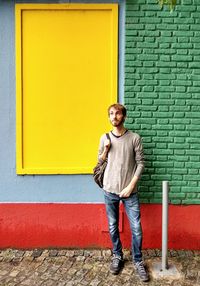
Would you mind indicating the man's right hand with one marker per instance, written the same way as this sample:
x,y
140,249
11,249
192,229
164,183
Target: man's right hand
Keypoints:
x,y
107,145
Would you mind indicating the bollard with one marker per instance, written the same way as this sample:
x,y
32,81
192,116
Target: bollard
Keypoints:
x,y
165,190
163,269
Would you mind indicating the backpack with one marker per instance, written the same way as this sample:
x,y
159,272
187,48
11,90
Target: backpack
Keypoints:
x,y
99,169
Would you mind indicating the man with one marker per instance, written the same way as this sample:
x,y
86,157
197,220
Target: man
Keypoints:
x,y
124,168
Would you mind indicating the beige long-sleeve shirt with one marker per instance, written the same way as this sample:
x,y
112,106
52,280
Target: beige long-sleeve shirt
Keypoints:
x,y
125,159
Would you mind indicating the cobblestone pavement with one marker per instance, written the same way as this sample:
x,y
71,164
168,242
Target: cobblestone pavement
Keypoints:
x,y
89,267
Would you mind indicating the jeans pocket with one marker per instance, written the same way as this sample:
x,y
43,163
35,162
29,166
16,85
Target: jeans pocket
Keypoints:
x,y
110,197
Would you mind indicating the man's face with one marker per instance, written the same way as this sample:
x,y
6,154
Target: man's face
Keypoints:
x,y
116,117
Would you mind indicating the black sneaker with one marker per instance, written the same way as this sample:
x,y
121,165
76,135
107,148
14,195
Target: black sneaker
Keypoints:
x,y
141,271
116,264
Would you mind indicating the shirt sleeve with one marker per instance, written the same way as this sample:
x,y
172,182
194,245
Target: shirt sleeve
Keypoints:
x,y
139,156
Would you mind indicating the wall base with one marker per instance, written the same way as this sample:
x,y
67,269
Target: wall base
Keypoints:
x,y
45,225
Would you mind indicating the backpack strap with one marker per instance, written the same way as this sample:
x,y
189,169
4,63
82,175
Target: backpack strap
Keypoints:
x,y
108,136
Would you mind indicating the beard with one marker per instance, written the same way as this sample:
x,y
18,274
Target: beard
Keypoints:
x,y
117,123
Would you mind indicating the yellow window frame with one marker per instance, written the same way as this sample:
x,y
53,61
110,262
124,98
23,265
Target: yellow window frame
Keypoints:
x,y
96,121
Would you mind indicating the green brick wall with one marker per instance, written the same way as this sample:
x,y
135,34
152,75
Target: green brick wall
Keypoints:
x,y
162,94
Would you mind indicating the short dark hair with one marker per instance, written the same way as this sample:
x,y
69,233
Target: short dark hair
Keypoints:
x,y
118,106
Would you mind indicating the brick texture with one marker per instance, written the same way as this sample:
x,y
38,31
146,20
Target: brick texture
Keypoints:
x,y
162,94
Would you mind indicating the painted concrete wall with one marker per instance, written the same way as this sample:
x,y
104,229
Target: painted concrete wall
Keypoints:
x,y
55,188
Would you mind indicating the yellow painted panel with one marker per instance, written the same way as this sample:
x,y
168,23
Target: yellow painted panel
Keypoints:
x,y
66,57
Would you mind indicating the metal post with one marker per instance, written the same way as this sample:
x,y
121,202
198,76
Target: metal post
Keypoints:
x,y
163,269
165,189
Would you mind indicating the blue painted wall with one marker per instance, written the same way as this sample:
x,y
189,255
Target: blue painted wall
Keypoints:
x,y
37,188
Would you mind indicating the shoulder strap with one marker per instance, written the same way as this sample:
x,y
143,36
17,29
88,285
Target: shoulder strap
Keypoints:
x,y
108,136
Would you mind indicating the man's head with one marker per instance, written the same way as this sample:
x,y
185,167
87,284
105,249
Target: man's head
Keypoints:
x,y
117,114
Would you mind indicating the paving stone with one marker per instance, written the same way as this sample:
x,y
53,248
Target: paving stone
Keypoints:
x,y
19,253
16,261
107,253
28,259
70,253
128,271
189,253
173,253
14,273
158,252
28,253
152,253
45,253
62,252
79,252
97,253
61,283
80,258
53,253
37,253
95,282
39,259
191,274
145,254
181,253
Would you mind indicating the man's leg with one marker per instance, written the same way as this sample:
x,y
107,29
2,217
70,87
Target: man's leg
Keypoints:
x,y
133,212
112,211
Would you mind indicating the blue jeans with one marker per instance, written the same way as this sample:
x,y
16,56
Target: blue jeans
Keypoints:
x,y
132,208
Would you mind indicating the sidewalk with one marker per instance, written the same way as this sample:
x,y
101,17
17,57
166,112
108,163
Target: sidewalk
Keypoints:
x,y
89,267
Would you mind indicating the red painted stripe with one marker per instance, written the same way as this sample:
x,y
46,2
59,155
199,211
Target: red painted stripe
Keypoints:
x,y
85,225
